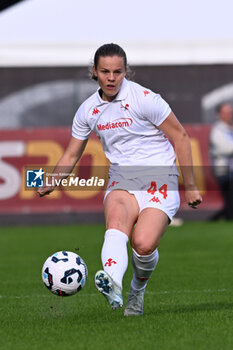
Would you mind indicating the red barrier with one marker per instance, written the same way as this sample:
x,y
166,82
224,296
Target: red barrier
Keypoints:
x,y
40,147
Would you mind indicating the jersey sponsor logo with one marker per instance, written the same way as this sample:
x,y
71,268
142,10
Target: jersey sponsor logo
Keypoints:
x,y
115,124
146,92
95,111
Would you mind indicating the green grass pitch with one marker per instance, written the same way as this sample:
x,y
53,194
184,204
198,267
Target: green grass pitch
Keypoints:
x,y
188,303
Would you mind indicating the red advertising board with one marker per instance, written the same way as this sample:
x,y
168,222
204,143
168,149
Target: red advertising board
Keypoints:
x,y
26,148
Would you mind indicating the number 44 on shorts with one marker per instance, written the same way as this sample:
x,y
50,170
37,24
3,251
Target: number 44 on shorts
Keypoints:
x,y
153,188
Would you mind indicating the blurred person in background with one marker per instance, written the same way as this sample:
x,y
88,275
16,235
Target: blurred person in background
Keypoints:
x,y
134,126
221,154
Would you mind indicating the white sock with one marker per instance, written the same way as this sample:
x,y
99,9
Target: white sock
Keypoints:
x,y
143,266
114,254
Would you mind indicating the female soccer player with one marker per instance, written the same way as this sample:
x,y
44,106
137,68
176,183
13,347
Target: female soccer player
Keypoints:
x,y
134,125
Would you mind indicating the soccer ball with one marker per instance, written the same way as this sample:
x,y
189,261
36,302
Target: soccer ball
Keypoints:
x,y
64,273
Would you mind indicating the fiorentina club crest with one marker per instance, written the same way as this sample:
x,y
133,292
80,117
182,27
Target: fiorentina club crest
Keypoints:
x,y
110,262
125,107
146,92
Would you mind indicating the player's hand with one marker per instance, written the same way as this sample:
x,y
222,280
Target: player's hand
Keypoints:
x,y
45,190
193,197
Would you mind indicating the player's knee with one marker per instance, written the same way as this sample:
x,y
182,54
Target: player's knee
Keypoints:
x,y
143,247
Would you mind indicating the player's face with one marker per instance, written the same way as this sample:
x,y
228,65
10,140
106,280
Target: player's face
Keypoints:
x,y
110,73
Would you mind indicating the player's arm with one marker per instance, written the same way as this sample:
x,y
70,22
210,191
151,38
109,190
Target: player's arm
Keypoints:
x,y
67,162
177,134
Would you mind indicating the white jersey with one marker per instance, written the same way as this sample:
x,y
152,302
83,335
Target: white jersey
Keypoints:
x,y
221,147
128,128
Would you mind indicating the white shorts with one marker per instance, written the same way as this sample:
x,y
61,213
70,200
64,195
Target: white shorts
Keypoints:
x,y
158,191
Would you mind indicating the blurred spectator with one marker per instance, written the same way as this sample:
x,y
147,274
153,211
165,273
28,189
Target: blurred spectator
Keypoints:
x,y
221,153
